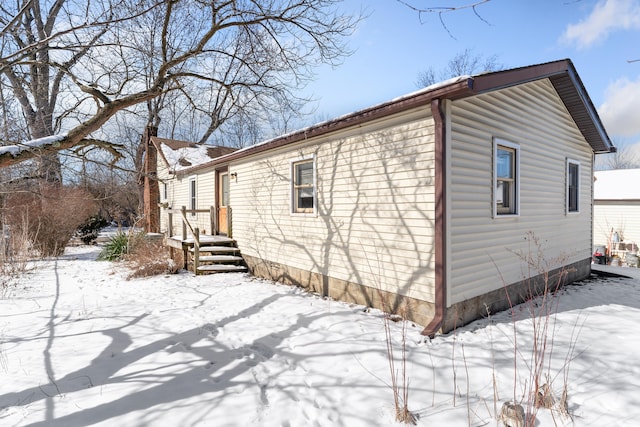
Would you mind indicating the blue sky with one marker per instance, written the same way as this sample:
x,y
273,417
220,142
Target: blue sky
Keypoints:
x,y
393,44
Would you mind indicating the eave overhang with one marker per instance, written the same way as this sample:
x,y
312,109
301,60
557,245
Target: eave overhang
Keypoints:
x,y
562,75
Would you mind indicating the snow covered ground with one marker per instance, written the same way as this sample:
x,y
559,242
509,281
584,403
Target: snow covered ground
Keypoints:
x,y
82,345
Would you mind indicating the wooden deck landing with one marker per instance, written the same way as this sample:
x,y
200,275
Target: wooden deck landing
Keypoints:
x,y
205,240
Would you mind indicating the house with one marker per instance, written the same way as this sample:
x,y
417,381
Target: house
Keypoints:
x,y
432,201
179,189
616,210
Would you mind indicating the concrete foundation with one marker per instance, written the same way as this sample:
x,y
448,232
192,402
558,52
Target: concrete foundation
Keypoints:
x,y
504,298
418,311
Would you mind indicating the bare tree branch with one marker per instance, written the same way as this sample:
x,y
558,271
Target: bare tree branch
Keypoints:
x,y
442,10
80,65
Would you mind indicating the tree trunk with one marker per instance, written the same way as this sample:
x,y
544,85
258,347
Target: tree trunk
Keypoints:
x,y
151,186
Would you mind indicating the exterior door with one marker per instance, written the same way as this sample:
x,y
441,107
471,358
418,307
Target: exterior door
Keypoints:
x,y
223,202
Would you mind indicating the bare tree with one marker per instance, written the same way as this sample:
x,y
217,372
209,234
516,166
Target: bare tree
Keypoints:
x,y
424,10
74,65
464,63
623,158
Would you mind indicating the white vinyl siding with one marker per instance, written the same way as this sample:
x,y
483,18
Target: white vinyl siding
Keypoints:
x,y
484,251
179,196
375,206
621,216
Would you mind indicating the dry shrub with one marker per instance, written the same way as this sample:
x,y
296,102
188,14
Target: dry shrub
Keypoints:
x,y
399,375
14,257
150,258
49,217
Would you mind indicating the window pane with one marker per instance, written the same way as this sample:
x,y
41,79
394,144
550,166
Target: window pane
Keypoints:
x,y
504,164
193,196
224,193
303,187
573,180
504,197
573,174
304,174
305,198
499,193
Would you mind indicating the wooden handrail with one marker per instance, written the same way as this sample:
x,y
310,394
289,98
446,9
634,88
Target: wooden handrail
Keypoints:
x,y
195,232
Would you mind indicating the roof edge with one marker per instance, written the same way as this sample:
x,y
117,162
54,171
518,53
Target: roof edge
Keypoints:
x,y
562,74
455,88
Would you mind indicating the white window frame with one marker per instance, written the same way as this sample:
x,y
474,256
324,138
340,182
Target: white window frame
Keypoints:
x,y
193,195
497,143
293,190
165,191
568,211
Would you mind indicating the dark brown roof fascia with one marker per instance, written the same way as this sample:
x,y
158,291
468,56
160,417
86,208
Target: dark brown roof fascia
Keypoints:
x,y
496,80
569,87
421,98
573,95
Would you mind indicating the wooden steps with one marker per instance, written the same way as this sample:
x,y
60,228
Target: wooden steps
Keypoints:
x,y
220,259
219,249
217,254
221,268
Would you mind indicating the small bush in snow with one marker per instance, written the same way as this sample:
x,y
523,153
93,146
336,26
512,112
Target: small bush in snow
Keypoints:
x,y
151,259
120,245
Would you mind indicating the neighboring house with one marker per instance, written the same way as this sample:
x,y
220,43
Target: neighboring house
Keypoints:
x,y
432,200
616,208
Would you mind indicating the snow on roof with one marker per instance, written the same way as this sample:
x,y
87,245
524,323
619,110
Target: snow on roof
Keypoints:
x,y
181,155
336,119
185,157
35,143
617,184
434,86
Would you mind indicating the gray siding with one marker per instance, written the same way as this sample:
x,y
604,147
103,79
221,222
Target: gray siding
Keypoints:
x,y
486,253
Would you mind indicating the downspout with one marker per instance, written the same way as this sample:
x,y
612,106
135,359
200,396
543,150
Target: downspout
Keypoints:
x,y
440,219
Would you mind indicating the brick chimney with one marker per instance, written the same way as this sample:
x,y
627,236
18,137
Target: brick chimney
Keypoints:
x,y
151,186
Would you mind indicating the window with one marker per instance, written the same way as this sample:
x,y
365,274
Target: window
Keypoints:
x,y
224,189
573,186
165,191
303,190
192,196
506,170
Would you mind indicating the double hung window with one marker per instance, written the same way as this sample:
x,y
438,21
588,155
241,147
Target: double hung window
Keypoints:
x,y
506,165
192,196
303,186
573,186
